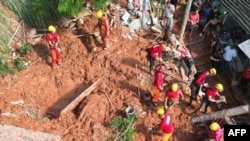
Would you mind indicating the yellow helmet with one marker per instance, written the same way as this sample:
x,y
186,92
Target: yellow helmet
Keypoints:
x,y
212,71
219,87
160,111
52,29
174,87
214,126
99,14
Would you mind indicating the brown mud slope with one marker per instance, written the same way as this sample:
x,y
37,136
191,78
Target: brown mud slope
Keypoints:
x,y
123,69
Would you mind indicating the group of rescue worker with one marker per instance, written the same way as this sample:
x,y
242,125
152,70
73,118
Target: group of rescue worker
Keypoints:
x,y
199,89
52,38
172,94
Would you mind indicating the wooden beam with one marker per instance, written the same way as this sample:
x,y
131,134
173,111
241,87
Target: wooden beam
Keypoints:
x,y
222,114
79,98
169,73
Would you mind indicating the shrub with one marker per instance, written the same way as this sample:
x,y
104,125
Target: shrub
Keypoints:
x,y
4,66
24,49
19,64
124,127
70,7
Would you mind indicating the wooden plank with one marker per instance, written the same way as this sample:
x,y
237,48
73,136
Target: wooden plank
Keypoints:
x,y
222,114
168,73
79,98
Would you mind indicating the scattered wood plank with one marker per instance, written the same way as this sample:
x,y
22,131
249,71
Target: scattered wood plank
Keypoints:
x,y
78,99
175,76
222,114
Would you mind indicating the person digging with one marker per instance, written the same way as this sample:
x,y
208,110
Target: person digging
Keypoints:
x,y
165,126
155,54
211,96
53,40
172,96
103,26
157,87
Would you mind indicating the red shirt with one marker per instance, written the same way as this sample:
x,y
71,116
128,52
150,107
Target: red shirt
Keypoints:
x,y
166,125
200,80
53,37
246,74
173,96
158,81
211,92
193,17
155,51
216,135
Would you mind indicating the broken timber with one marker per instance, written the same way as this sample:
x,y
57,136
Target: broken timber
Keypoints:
x,y
79,98
222,114
175,76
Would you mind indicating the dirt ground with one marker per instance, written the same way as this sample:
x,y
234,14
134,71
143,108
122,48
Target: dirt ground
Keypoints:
x,y
42,93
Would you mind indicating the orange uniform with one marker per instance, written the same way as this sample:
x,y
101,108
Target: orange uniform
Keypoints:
x,y
53,38
104,30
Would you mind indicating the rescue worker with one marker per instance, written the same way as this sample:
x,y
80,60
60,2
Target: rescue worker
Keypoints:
x,y
103,25
198,82
158,83
165,125
212,96
215,132
172,95
155,53
53,40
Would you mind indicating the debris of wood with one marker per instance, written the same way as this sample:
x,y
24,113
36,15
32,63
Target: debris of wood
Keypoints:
x,y
78,99
222,114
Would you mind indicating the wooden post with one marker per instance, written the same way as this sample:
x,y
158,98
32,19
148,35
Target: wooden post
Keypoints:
x,y
222,114
78,99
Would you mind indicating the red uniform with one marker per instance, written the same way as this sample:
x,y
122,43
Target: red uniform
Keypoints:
x,y
211,92
155,52
193,17
104,30
53,37
216,135
200,80
158,81
166,125
246,74
55,53
173,96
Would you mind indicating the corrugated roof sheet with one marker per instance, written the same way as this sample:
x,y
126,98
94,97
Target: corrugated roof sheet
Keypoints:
x,y
240,10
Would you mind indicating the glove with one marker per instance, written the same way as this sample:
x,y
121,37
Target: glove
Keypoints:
x,y
58,49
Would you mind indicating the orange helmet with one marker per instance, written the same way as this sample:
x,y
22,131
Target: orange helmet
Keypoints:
x,y
163,46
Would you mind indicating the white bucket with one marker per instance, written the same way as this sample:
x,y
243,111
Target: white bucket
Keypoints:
x,y
130,110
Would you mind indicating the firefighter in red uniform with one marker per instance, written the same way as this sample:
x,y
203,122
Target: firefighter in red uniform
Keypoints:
x,y
103,25
165,125
172,95
155,53
158,82
215,132
53,39
212,96
198,82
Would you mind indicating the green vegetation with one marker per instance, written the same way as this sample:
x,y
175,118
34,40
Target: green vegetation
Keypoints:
x,y
70,7
19,64
99,4
4,66
24,49
35,13
124,126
